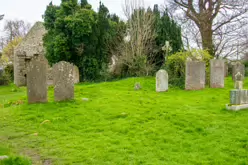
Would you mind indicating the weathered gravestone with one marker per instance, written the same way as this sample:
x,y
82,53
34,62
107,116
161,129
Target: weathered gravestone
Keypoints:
x,y
37,81
238,97
195,75
161,81
76,74
217,73
238,67
63,81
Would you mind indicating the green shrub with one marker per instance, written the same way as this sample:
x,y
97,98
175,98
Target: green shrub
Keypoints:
x,y
15,161
5,79
9,69
175,65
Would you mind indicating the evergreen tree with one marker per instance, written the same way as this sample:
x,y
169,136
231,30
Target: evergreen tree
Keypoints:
x,y
79,35
167,30
84,3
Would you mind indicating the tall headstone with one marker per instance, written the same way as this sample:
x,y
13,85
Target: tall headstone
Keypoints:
x,y
76,74
161,81
63,81
238,67
37,81
217,73
195,75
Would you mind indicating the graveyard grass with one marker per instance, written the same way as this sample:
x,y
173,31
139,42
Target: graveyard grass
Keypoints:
x,y
119,125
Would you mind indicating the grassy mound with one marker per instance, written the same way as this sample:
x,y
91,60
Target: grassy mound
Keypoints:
x,y
119,125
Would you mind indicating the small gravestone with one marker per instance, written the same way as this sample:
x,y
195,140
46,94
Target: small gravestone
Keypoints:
x,y
137,86
37,81
238,96
195,75
238,81
63,81
161,81
217,73
238,67
76,74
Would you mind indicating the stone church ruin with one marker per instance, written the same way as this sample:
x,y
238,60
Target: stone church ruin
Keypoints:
x,y
31,46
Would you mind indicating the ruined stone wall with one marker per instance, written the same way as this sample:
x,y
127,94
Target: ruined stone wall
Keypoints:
x,y
32,45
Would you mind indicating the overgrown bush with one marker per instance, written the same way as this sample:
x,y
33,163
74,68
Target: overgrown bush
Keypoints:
x,y
9,69
176,65
5,79
15,161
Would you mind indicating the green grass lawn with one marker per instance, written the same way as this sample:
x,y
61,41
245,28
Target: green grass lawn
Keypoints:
x,y
119,125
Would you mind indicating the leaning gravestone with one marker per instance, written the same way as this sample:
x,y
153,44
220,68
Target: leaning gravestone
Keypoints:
x,y
37,81
238,67
161,81
63,81
217,73
76,74
195,75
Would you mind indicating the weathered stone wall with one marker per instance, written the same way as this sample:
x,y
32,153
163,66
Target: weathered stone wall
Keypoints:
x,y
195,75
32,45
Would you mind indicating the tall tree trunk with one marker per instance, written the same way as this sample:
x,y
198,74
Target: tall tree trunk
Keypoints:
x,y
207,39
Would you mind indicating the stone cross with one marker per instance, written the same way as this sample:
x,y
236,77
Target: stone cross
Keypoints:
x,y
238,81
238,67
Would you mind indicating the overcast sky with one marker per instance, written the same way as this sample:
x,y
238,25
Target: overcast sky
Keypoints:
x,y
32,10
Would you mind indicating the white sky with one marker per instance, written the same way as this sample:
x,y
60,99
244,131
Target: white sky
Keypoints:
x,y
32,10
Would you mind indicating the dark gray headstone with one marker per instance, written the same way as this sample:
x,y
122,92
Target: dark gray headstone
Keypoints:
x,y
63,81
217,73
37,81
195,75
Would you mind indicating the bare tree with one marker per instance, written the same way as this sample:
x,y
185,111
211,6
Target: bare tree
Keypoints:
x,y
213,17
15,28
137,48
